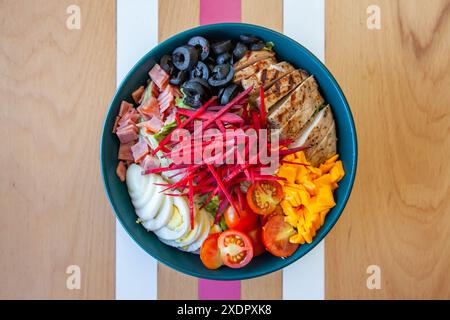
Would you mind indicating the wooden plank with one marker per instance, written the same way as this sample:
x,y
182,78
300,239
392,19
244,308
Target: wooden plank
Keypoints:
x,y
266,13
176,16
268,287
396,80
174,285
55,87
255,11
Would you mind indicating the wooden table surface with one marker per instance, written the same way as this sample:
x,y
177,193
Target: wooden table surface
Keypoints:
x,y
55,86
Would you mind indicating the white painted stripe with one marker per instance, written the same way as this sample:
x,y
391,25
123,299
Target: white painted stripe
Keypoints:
x,y
304,21
137,33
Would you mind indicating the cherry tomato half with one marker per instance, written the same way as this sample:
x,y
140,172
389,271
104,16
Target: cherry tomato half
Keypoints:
x,y
276,234
236,248
255,236
264,218
264,196
244,221
210,253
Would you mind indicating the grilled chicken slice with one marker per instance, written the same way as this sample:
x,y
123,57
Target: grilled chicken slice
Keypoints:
x,y
299,100
253,68
282,87
324,150
319,132
307,99
251,57
267,76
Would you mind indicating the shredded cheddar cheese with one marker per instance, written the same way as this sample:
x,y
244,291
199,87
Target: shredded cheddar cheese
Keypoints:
x,y
308,193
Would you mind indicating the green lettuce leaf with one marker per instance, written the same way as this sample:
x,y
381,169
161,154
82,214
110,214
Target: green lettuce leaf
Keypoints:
x,y
222,223
148,92
179,102
213,205
164,132
269,46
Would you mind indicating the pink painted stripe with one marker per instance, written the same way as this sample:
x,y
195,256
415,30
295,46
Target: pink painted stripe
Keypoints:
x,y
215,11
219,290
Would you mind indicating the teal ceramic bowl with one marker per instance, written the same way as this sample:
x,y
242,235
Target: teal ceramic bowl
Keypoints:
x,y
286,49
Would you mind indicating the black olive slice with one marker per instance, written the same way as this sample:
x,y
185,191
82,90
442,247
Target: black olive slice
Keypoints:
x,y
178,77
166,64
219,95
248,38
222,46
223,58
222,74
201,70
185,57
193,101
229,93
240,50
195,93
257,46
205,85
203,44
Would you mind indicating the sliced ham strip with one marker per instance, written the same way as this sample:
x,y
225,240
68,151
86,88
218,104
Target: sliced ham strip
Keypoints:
x,y
116,124
140,150
129,117
153,125
137,94
132,118
150,162
130,126
177,92
121,171
166,99
171,115
127,135
125,152
124,108
126,123
159,77
149,109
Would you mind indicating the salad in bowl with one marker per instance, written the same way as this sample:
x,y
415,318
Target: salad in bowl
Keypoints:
x,y
222,152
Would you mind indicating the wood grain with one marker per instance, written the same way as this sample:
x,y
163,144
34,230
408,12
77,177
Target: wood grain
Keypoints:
x,y
176,16
266,13
256,12
55,86
175,285
397,82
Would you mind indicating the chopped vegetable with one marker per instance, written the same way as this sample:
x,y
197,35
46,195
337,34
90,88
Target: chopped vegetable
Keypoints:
x,y
210,253
255,236
264,196
179,102
212,205
245,220
236,248
276,235
308,193
269,46
165,131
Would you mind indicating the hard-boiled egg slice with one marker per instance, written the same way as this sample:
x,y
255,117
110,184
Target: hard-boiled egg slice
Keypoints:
x,y
149,194
163,217
191,236
203,235
136,182
151,208
179,224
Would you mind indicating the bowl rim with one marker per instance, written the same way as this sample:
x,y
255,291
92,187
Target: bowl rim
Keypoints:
x,y
354,157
